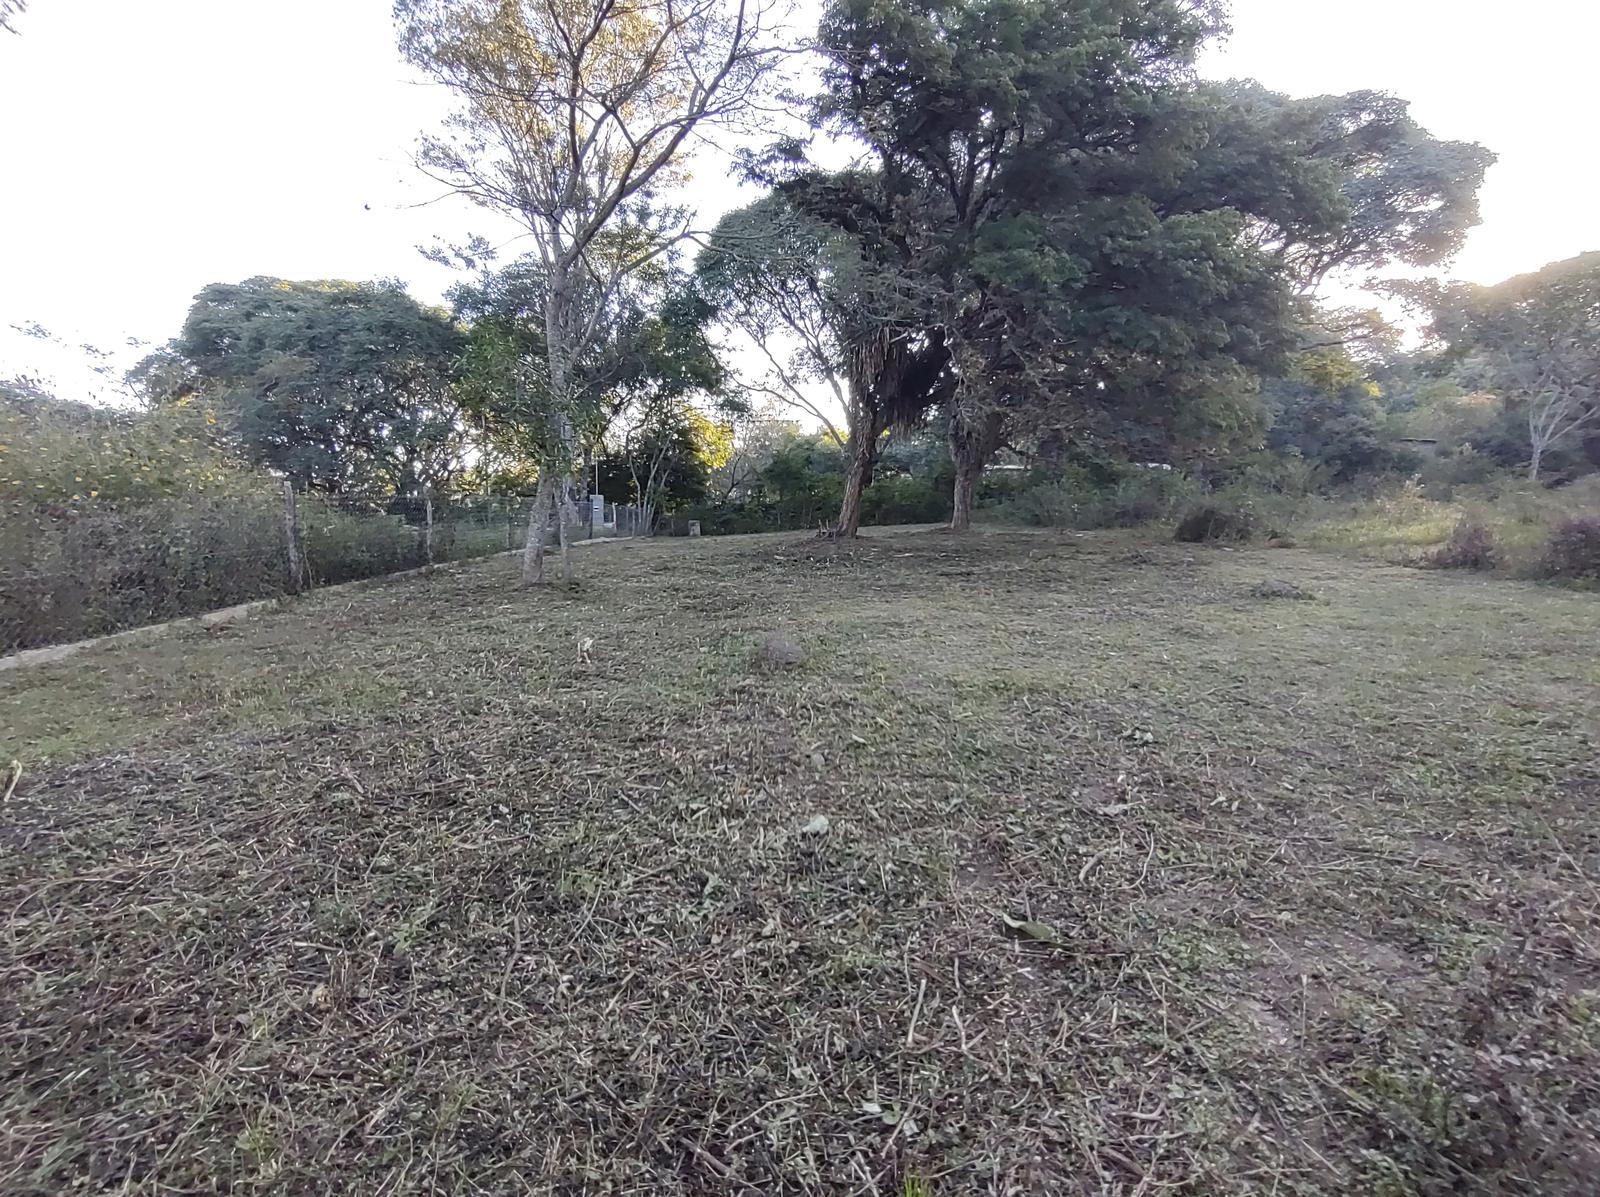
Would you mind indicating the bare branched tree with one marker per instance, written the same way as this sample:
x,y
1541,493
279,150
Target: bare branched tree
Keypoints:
x,y
576,116
1563,396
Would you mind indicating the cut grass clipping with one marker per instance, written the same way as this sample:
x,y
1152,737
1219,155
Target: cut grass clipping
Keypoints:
x,y
1041,864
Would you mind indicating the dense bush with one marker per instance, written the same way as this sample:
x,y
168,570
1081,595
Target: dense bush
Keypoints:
x,y
1472,545
1573,551
69,572
898,499
342,546
1086,499
56,452
1212,521
1459,467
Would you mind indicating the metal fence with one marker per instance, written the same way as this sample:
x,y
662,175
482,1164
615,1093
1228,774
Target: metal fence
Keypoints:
x,y
73,570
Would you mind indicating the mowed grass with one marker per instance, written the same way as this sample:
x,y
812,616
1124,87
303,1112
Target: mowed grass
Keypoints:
x,y
1131,882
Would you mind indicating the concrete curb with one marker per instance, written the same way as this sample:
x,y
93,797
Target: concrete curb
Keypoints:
x,y
52,653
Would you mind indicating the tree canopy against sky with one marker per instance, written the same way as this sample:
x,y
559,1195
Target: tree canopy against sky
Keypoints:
x,y
338,386
1378,188
779,278
1029,204
1085,235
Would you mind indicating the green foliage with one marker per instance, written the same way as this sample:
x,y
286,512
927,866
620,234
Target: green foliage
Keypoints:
x,y
1347,182
1082,223
801,484
1456,468
87,570
671,457
1534,340
1326,413
800,488
901,499
342,545
642,359
335,385
1086,498
113,518
59,454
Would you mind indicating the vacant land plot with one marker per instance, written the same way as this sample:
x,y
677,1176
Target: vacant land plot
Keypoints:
x,y
1058,864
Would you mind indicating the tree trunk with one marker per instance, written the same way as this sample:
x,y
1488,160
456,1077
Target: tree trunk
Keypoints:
x,y
566,516
973,441
538,522
966,482
865,429
556,472
1537,460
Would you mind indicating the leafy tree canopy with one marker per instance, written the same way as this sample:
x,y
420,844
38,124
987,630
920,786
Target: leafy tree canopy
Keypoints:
x,y
1353,183
1534,339
336,385
1045,207
653,348
59,455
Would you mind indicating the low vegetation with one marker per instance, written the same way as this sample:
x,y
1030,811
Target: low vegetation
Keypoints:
x,y
1526,532
1015,862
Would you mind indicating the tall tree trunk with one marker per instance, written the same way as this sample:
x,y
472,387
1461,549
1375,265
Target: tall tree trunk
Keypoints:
x,y
1537,460
865,429
966,482
563,459
973,440
538,522
566,517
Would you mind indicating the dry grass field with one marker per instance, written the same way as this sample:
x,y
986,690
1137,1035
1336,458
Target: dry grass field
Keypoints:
x,y
1058,864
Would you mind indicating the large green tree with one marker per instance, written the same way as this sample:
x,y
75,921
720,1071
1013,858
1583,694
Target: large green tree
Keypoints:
x,y
1356,184
338,386
1037,204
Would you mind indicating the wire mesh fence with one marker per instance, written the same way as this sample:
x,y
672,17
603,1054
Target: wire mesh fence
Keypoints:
x,y
74,570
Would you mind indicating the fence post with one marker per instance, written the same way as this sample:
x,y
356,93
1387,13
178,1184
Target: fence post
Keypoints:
x,y
427,531
291,539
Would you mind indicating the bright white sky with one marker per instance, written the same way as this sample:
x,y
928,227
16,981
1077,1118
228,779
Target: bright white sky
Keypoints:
x,y
147,149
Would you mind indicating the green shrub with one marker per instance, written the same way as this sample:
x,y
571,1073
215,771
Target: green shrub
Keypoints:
x,y
1082,499
1444,475
899,499
343,546
70,572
